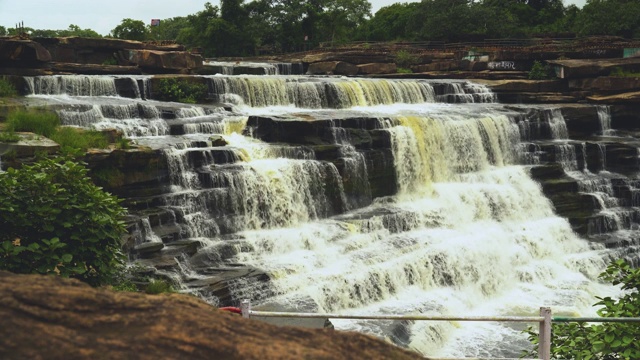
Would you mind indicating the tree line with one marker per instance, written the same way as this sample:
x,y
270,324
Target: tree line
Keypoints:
x,y
243,28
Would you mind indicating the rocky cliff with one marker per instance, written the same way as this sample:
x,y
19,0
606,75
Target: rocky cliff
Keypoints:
x,y
46,317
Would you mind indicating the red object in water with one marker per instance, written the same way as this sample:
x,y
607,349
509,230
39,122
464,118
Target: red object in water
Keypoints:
x,y
231,309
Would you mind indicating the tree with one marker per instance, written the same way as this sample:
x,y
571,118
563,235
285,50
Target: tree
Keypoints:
x,y
54,220
606,340
3,31
130,29
609,17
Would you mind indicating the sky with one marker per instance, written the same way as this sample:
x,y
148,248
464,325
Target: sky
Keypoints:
x,y
102,16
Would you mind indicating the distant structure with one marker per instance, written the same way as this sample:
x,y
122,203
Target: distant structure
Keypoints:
x,y
155,22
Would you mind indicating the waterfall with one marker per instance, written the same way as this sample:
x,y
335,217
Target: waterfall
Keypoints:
x,y
604,116
337,93
465,230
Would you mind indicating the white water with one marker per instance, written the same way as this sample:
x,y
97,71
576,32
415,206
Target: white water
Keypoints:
x,y
470,233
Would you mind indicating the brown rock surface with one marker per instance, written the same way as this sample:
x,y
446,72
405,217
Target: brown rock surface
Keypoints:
x,y
46,317
24,52
571,69
163,60
332,68
377,68
631,98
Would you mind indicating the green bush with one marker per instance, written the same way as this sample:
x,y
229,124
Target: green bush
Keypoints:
x,y
604,340
405,59
539,71
158,287
181,90
42,123
7,89
54,220
401,70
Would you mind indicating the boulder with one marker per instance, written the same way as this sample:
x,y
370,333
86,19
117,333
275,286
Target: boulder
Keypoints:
x,y
159,61
377,68
47,317
28,146
22,53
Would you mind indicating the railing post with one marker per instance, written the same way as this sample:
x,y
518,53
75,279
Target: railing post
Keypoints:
x,y
544,334
245,308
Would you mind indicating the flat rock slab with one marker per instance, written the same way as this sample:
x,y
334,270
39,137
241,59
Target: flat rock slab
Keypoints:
x,y
29,145
47,317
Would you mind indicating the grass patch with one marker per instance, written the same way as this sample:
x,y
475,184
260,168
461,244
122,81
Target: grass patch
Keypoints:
x,y
72,140
7,89
9,137
402,70
41,123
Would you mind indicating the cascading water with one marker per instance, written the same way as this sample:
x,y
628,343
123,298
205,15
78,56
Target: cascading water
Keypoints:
x,y
468,232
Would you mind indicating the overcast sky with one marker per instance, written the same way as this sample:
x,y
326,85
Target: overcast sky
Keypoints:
x,y
102,16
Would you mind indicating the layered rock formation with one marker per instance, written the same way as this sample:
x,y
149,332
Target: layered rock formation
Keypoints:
x,y
46,317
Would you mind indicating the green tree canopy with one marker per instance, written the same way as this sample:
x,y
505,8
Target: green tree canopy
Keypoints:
x,y
130,29
55,220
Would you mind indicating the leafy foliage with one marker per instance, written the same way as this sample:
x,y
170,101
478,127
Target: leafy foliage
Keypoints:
x,y
74,140
405,59
181,90
9,137
54,220
7,89
606,340
539,71
130,29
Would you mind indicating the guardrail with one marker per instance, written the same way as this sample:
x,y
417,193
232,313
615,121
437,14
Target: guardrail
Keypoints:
x,y
544,321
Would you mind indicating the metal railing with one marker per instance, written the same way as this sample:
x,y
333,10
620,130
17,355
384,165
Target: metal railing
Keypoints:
x,y
544,321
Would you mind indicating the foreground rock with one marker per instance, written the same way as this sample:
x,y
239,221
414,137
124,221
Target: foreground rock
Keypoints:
x,y
46,317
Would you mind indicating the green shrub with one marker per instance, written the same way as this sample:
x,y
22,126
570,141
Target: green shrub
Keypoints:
x,y
7,89
539,71
9,137
401,70
159,287
41,123
181,90
603,340
110,61
54,220
405,59
73,140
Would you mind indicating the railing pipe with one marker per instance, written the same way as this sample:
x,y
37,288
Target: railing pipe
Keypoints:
x,y
398,317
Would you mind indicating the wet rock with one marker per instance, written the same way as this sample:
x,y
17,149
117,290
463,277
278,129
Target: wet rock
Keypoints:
x,y
525,86
227,283
46,317
353,57
218,140
28,145
149,247
582,121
